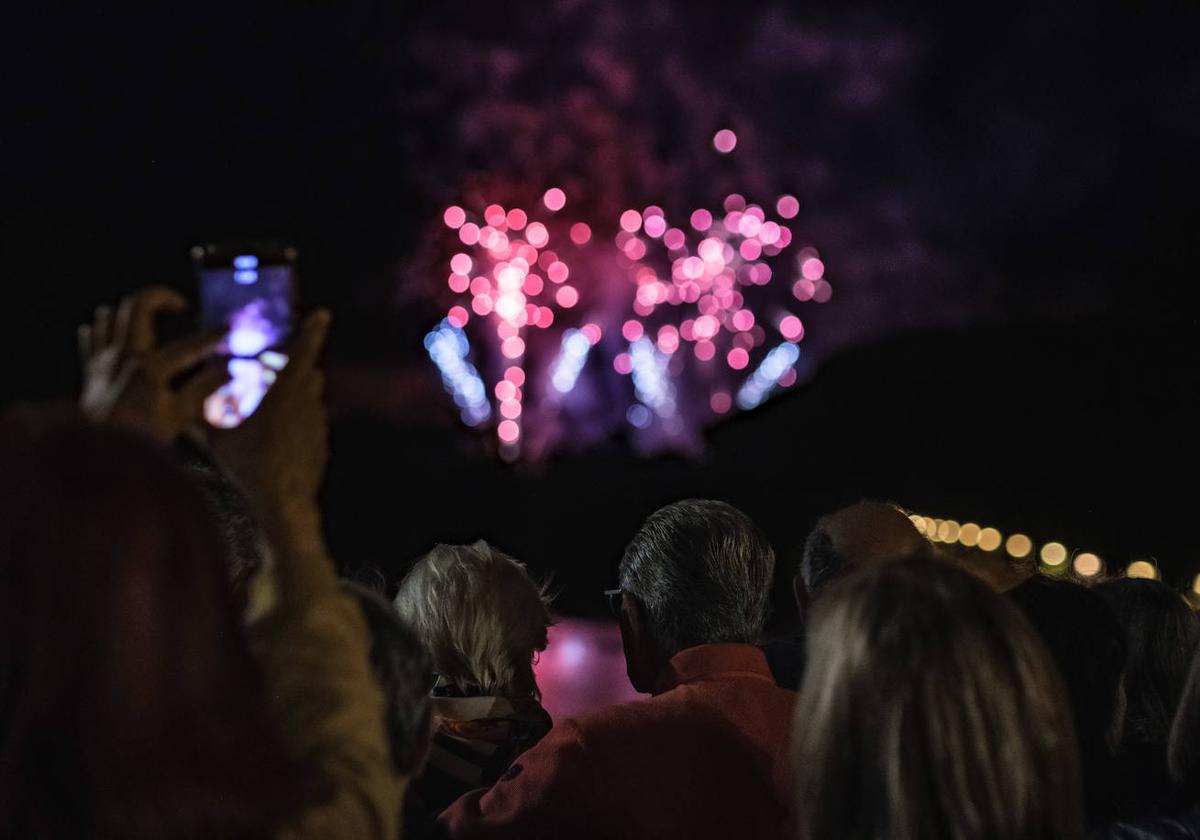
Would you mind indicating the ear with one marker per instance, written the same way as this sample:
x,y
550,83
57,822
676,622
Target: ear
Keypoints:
x,y
643,659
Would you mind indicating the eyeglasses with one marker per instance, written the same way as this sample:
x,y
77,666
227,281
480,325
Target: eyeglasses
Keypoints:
x,y
614,600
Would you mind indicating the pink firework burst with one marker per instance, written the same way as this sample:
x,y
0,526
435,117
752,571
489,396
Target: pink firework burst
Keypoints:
x,y
506,281
714,296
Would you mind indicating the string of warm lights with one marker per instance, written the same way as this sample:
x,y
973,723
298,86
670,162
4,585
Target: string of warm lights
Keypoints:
x,y
1053,557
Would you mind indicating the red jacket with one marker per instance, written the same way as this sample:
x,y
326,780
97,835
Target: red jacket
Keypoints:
x,y
706,756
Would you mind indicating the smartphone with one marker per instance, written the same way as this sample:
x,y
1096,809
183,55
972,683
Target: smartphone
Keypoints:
x,y
248,290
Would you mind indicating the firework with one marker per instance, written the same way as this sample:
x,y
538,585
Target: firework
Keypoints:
x,y
710,297
505,282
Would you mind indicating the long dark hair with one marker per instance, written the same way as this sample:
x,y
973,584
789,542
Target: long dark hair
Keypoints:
x,y
129,705
1161,633
1183,750
929,710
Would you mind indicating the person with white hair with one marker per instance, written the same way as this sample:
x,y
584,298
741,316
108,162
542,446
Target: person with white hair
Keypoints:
x,y
483,620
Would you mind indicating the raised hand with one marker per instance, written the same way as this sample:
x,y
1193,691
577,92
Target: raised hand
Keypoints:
x,y
129,379
279,453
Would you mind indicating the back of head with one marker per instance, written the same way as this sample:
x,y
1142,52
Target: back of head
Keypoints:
x,y
127,698
1082,634
1161,633
481,617
930,710
864,533
404,672
702,571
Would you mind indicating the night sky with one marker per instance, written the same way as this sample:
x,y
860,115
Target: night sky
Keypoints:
x,y
1008,199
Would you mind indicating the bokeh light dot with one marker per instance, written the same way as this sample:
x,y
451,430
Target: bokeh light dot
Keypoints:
x,y
737,358
1018,546
812,269
948,531
454,216
468,234
724,141
968,534
638,416
516,218
567,297
674,239
1142,569
554,199
1087,564
743,319
580,233
654,226
989,539
537,234
787,206
508,431
1054,554
513,347
558,272
791,328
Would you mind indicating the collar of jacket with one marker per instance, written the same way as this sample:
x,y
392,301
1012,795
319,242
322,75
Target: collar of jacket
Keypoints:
x,y
704,663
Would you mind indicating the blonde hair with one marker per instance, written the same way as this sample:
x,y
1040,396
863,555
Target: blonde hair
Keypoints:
x,y
481,617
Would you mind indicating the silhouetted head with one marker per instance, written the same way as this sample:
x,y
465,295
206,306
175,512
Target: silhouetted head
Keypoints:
x,y
128,702
930,710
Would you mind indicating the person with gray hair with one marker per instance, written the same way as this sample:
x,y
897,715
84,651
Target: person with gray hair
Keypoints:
x,y
482,619
706,754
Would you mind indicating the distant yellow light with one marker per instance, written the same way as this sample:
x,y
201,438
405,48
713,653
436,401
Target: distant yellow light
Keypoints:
x,y
1196,585
1087,564
1142,569
918,521
990,539
968,535
948,531
932,526
1018,546
1054,554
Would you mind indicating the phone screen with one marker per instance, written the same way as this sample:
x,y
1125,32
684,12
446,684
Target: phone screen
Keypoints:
x,y
252,296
